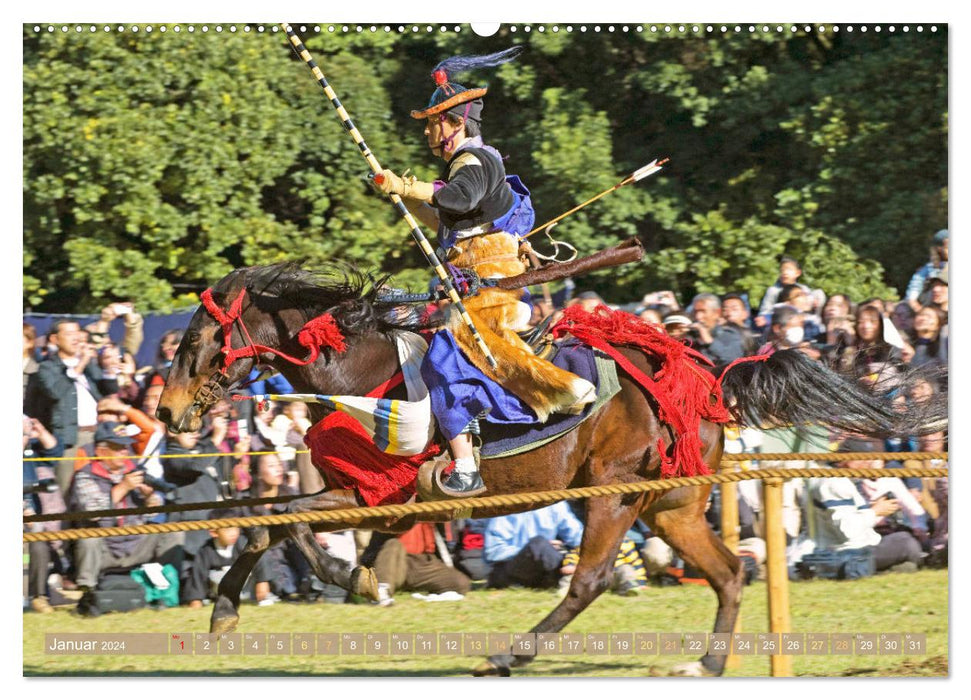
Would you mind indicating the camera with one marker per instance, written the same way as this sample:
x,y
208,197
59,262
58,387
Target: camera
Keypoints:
x,y
41,486
156,484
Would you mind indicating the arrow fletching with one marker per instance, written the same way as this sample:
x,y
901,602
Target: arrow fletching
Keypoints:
x,y
648,170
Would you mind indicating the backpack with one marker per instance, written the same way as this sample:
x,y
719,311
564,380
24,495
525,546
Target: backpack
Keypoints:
x,y
118,593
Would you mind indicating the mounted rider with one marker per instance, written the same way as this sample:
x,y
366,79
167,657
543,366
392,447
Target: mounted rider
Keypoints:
x,y
481,216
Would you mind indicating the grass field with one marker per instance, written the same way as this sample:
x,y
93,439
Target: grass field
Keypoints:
x,y
892,603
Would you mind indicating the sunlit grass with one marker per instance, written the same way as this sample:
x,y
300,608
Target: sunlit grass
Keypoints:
x,y
893,603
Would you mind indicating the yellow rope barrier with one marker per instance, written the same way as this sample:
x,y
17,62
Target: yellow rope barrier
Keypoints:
x,y
351,516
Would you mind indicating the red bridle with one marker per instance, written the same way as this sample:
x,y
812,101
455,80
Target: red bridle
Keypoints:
x,y
318,332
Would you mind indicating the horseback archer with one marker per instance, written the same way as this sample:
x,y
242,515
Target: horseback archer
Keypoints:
x,y
481,215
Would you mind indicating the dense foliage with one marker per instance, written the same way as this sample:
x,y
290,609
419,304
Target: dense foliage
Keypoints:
x,y
155,163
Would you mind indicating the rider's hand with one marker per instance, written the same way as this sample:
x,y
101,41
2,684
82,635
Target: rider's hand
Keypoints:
x,y
388,183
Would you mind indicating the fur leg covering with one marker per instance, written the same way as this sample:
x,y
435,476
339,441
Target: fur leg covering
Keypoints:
x,y
544,387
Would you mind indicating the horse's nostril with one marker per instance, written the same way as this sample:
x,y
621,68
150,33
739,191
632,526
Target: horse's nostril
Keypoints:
x,y
164,415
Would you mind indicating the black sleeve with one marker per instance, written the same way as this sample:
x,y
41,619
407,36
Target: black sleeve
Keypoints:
x,y
463,192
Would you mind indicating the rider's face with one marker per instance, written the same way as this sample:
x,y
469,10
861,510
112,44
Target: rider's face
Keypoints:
x,y
437,130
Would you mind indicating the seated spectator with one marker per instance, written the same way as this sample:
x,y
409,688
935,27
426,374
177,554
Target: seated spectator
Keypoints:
x,y
842,530
212,561
108,482
789,273
933,495
630,576
930,338
910,517
340,545
869,346
527,549
470,548
282,572
717,340
42,496
64,393
417,560
938,263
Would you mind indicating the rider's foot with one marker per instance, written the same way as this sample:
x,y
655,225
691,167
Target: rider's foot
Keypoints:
x,y
463,484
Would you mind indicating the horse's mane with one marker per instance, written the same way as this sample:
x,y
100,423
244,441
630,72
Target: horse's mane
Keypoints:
x,y
341,289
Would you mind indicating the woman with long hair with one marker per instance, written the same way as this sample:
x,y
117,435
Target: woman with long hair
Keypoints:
x,y
869,347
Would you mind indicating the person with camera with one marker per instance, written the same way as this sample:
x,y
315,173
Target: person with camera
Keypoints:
x,y
717,340
64,393
113,481
845,526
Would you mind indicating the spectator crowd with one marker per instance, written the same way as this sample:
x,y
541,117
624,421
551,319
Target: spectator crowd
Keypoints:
x,y
92,443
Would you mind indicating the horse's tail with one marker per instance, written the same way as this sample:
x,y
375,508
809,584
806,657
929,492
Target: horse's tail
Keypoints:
x,y
789,389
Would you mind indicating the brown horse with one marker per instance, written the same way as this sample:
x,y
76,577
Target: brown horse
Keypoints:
x,y
617,444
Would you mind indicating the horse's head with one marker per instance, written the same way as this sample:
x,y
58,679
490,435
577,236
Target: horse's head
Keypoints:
x,y
199,375
275,314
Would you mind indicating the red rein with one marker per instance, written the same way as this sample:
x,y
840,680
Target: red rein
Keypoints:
x,y
317,333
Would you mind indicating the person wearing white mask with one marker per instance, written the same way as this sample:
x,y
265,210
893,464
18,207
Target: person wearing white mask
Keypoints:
x,y
786,333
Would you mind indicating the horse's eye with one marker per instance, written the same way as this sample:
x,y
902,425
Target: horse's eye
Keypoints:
x,y
192,337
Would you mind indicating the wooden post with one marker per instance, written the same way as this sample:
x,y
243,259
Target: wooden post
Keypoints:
x,y
730,529
777,571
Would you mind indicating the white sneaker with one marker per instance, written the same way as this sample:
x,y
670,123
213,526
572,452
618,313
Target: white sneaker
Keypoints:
x,y
270,599
384,596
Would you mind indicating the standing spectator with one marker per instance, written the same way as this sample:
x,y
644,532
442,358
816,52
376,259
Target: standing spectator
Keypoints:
x,y
930,338
936,289
527,549
65,391
795,295
416,560
786,332
789,273
938,263
134,324
168,345
869,347
735,310
196,480
108,482
29,361
41,496
717,340
112,362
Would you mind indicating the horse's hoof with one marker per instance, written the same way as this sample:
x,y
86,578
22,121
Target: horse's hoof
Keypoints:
x,y
489,668
223,625
364,582
690,669
258,539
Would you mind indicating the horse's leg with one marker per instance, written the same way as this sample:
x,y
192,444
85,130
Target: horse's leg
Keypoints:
x,y
679,519
329,569
608,520
225,611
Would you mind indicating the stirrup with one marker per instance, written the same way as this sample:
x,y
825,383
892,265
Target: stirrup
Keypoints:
x,y
430,482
